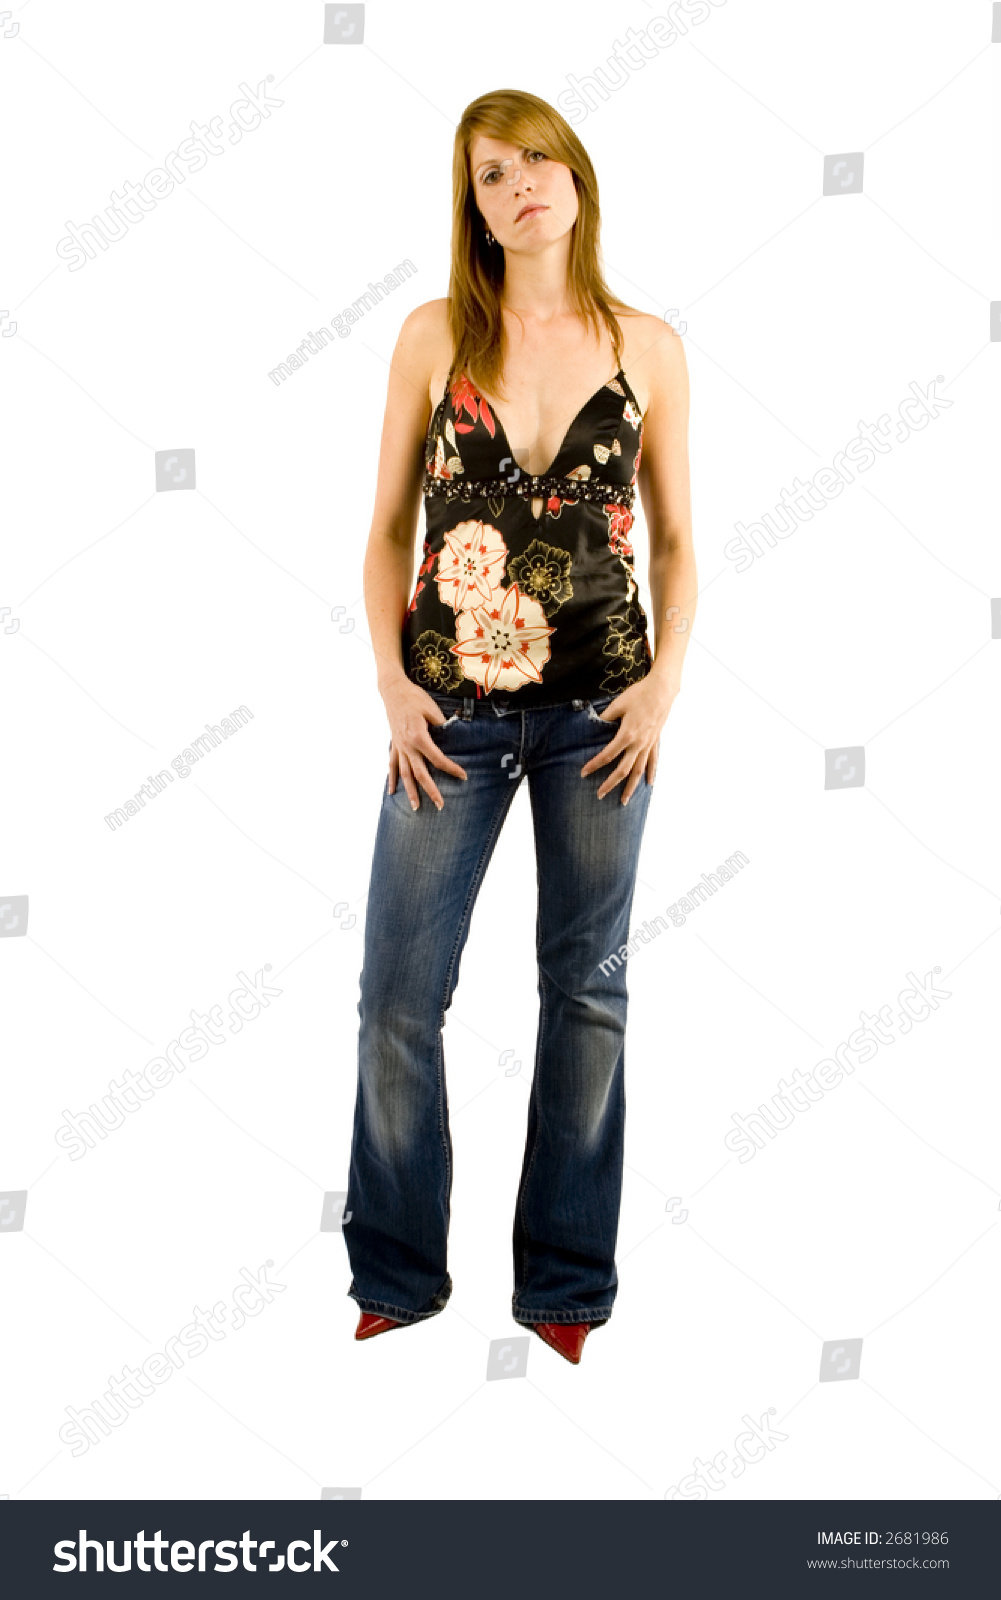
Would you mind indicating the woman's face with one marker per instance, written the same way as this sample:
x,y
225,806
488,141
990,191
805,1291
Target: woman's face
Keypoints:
x,y
526,199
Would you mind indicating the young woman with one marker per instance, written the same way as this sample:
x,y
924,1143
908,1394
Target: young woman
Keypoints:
x,y
521,656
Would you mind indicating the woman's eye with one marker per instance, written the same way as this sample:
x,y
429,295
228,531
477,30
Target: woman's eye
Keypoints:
x,y
488,177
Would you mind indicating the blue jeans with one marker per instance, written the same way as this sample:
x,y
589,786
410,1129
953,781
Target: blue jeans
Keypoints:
x,y
426,873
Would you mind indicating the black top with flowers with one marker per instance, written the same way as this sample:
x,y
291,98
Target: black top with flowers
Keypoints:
x,y
545,608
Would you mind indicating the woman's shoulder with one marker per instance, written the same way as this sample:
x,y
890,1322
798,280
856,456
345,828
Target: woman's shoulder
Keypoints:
x,y
427,336
640,329
651,351
426,326
429,315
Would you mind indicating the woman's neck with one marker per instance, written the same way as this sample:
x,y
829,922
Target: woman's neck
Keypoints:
x,y
535,286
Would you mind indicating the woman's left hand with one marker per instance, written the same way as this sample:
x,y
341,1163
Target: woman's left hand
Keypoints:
x,y
641,711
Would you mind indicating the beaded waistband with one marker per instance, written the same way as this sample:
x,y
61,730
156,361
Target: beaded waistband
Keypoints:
x,y
527,488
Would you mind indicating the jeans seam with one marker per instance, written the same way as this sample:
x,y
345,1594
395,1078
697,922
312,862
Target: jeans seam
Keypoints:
x,y
397,1313
474,888
540,1040
598,1314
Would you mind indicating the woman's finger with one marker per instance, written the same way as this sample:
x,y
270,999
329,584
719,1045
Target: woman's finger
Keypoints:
x,y
633,781
424,777
607,753
617,774
408,781
437,756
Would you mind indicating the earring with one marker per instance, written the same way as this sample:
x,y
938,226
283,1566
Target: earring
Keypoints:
x,y
489,236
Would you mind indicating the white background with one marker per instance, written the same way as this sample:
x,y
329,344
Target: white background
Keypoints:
x,y
142,616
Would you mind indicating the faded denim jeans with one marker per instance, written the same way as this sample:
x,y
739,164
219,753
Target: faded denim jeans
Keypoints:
x,y
427,870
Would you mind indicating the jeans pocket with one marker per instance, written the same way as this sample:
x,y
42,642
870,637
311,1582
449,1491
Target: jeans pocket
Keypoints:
x,y
596,708
452,712
444,734
450,706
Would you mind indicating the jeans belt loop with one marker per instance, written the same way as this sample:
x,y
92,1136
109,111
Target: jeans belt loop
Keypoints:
x,y
467,708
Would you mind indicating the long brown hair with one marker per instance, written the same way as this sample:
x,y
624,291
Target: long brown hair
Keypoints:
x,y
477,271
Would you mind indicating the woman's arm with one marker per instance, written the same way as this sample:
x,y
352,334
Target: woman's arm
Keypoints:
x,y
665,491
389,555
663,480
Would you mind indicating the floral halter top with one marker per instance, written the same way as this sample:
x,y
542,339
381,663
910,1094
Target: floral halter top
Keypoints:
x,y
545,608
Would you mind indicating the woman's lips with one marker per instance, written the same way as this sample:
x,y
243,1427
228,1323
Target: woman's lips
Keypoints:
x,y
530,211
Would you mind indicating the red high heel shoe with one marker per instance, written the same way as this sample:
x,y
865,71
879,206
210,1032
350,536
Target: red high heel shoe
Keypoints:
x,y
369,1325
566,1338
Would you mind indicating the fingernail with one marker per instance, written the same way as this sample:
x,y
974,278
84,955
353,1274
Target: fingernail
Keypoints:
x,y
414,804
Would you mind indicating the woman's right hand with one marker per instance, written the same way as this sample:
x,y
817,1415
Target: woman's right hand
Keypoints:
x,y
409,709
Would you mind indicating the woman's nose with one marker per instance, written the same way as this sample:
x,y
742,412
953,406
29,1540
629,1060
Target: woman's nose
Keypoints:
x,y
511,171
